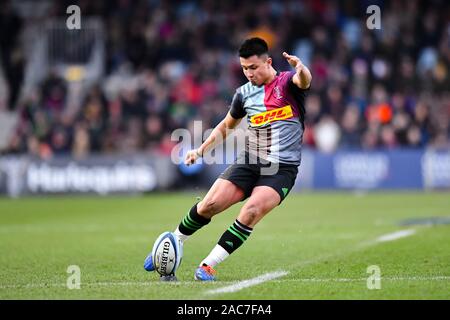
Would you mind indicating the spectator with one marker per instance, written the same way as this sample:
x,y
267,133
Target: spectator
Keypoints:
x,y
169,63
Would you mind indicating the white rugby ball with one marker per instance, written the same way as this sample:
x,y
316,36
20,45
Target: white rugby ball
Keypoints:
x,y
167,253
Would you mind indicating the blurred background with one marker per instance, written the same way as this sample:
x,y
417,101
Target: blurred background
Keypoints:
x,y
92,110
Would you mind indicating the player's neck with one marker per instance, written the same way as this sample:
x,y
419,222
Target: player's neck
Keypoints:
x,y
273,74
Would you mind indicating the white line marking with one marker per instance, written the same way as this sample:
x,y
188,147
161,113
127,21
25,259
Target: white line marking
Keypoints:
x,y
156,283
396,235
104,284
250,282
406,278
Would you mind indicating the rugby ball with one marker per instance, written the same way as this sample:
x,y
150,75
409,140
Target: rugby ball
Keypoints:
x,y
167,253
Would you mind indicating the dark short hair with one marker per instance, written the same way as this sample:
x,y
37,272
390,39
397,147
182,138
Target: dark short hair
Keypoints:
x,y
253,46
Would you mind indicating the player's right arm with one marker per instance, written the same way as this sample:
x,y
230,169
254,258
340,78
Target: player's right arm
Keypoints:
x,y
219,134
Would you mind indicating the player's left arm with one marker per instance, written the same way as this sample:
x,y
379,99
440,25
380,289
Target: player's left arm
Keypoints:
x,y
302,77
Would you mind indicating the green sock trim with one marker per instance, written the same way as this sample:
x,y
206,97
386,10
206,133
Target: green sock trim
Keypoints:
x,y
192,222
236,234
240,232
188,225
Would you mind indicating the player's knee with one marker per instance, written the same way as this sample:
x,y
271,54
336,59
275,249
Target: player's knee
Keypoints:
x,y
250,213
208,208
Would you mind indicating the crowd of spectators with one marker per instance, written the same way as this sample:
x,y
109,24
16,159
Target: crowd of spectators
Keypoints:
x,y
169,63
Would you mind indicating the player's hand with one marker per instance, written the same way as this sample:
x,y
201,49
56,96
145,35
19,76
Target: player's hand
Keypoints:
x,y
191,157
294,61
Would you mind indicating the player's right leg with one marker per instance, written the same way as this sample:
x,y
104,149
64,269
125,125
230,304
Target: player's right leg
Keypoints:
x,y
220,196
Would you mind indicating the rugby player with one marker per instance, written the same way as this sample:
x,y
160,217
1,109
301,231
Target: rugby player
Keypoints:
x,y
274,105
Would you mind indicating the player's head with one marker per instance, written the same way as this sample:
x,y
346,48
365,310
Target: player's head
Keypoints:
x,y
255,60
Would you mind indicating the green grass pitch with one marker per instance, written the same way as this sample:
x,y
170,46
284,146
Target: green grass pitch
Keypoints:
x,y
324,242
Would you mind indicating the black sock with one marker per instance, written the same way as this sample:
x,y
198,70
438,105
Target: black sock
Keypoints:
x,y
235,236
192,222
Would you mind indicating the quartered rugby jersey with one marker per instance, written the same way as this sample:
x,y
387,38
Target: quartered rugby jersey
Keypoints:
x,y
275,114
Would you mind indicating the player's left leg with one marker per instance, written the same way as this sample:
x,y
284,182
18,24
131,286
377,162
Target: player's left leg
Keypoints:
x,y
262,200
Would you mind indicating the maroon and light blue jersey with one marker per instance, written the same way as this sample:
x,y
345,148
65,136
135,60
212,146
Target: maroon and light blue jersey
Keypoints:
x,y
275,114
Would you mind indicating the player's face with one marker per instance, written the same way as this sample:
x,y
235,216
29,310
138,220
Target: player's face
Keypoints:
x,y
256,69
